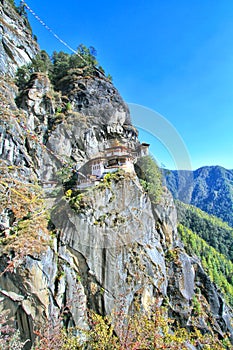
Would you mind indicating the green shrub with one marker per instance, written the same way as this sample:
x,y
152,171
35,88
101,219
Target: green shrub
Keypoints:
x,y
68,107
150,177
22,76
40,63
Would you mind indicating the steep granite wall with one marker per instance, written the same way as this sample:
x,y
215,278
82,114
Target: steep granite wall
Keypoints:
x,y
17,47
100,249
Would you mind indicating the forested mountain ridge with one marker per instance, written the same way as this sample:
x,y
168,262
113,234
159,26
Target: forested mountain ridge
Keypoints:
x,y
218,267
211,240
209,188
214,231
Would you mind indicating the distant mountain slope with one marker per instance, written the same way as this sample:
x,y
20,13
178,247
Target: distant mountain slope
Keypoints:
x,y
211,240
218,267
208,227
209,188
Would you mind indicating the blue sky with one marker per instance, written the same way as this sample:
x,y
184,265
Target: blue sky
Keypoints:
x,y
173,57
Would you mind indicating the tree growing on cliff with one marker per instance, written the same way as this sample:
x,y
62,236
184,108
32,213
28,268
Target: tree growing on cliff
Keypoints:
x,y
60,61
40,63
150,177
85,56
63,62
60,65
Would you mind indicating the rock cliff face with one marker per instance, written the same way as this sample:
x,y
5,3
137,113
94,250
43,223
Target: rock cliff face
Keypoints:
x,y
17,47
113,244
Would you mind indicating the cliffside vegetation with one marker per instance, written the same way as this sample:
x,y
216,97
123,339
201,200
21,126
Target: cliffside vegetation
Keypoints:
x,y
119,331
19,9
26,232
150,177
60,65
22,12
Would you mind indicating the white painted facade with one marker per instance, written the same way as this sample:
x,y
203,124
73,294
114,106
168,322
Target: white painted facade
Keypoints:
x,y
112,159
97,167
144,148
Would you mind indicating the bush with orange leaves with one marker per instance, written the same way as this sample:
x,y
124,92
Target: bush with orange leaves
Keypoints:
x,y
28,232
140,331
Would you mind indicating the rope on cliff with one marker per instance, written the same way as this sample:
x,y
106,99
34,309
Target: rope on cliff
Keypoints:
x,y
51,31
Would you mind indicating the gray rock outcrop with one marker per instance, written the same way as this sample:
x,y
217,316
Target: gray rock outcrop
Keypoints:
x,y
17,47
